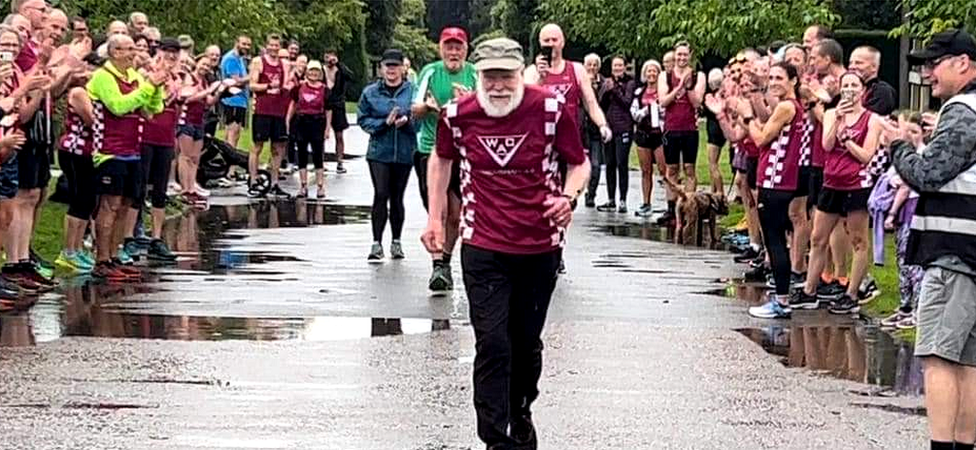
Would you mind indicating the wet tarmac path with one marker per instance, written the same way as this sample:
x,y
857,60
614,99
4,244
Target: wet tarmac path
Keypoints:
x,y
271,331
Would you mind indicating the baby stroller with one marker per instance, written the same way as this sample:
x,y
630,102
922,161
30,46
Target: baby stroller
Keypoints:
x,y
218,157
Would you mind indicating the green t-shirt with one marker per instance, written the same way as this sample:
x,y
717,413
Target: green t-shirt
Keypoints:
x,y
437,80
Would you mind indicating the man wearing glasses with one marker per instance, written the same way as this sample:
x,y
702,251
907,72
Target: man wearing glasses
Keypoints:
x,y
943,237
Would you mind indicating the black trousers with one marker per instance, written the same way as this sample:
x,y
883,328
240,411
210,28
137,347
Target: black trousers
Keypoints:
x,y
509,296
389,183
309,132
617,156
774,219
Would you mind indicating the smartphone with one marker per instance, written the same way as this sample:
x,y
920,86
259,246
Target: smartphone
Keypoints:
x,y
7,57
547,54
848,96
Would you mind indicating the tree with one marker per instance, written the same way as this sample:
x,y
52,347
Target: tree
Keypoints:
x,y
648,27
516,18
410,33
449,13
480,17
380,24
927,17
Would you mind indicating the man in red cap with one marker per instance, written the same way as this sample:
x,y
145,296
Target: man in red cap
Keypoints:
x,y
438,83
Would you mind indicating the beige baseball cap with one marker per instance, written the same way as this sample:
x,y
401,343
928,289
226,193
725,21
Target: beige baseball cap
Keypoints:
x,y
498,54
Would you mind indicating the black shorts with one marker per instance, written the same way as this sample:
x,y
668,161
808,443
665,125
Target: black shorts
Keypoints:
x,y
803,183
420,165
339,121
192,131
9,182
234,114
714,132
843,202
646,140
34,167
680,147
268,129
752,172
120,178
816,186
80,173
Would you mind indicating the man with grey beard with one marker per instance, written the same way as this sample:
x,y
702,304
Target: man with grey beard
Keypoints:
x,y
507,139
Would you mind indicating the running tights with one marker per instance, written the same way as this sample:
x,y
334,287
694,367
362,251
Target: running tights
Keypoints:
x,y
617,156
389,183
774,218
309,133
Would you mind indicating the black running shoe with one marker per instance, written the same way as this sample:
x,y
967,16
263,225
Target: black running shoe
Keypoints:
x,y
845,305
802,300
607,207
747,256
277,191
830,291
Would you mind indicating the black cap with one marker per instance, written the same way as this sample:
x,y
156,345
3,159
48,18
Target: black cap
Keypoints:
x,y
392,57
949,42
169,44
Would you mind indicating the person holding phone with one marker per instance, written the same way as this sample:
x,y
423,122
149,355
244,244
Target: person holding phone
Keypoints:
x,y
384,114
851,135
439,83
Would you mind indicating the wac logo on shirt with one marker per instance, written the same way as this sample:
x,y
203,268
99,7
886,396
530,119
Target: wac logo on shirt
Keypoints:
x,y
560,88
502,148
309,96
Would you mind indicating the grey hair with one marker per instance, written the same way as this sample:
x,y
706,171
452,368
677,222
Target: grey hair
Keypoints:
x,y
593,57
114,41
649,63
873,52
152,33
5,28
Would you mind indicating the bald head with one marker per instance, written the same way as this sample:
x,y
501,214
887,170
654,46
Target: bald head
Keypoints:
x,y
117,27
866,61
551,35
34,10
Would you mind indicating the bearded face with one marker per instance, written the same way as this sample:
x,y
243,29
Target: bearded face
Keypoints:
x,y
500,91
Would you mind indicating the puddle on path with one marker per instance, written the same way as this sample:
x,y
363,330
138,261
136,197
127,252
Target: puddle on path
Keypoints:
x,y
82,307
650,231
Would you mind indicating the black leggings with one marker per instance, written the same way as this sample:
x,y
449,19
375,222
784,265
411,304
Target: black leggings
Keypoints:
x,y
156,163
80,173
389,183
617,156
309,131
774,218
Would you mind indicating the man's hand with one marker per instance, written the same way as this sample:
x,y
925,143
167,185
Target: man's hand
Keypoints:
x,y
13,141
542,67
606,133
560,211
891,132
401,121
433,237
714,104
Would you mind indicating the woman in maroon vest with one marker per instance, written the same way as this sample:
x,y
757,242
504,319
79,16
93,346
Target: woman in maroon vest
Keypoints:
x,y
196,97
309,108
851,135
780,143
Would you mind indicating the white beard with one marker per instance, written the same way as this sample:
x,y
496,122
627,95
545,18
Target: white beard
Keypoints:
x,y
492,110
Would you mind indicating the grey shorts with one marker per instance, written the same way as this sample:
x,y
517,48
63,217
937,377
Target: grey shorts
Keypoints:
x,y
947,316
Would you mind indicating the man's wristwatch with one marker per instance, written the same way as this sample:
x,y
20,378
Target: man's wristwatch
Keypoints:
x,y
572,201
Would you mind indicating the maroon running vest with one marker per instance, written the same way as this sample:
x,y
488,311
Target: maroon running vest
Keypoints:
x,y
77,137
779,164
193,112
266,104
566,84
509,168
842,171
680,115
160,129
118,135
310,101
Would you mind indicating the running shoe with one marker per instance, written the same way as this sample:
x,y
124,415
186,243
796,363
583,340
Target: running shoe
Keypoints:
x,y
46,283
87,256
201,191
844,305
772,309
644,211
376,252
42,271
124,258
747,256
39,261
757,274
440,278
108,271
622,209
797,280
72,263
868,290
396,250
173,189
159,251
320,192
340,168
908,323
666,219
254,192
830,291
277,191
801,300
893,320
132,248
523,431
130,271
302,192
590,202
607,207
225,183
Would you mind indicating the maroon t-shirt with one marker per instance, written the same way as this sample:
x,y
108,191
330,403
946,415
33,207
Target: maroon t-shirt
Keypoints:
x,y
272,104
310,101
680,115
27,57
567,85
193,112
779,163
160,129
844,172
509,167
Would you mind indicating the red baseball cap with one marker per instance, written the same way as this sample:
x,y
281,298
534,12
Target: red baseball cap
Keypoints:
x,y
454,34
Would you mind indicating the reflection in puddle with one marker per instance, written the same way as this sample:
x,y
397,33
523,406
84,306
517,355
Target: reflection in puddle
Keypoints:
x,y
856,352
82,307
83,311
649,231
